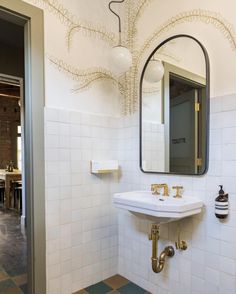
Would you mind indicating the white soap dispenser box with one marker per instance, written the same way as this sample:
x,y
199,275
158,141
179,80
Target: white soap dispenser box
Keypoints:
x,y
103,166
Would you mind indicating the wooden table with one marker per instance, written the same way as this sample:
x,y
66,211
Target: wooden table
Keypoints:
x,y
8,177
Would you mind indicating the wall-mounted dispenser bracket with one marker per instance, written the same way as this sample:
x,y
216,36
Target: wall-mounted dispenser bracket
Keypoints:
x,y
104,166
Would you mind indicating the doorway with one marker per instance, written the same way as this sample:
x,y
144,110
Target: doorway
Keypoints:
x,y
27,197
185,140
13,236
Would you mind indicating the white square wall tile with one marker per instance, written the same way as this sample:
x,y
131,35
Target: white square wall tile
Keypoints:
x,y
198,285
64,116
52,128
229,103
228,135
88,209
212,276
228,120
228,265
75,117
227,282
51,114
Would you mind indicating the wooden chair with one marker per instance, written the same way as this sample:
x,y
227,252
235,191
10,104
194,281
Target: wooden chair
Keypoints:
x,y
2,191
17,195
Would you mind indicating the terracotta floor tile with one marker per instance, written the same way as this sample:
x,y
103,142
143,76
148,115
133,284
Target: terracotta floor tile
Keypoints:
x,y
81,292
3,276
118,284
13,290
116,281
20,280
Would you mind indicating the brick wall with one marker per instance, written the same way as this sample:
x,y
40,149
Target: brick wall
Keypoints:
x,y
9,120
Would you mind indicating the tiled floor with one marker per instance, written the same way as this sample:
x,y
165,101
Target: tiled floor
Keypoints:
x,y
114,285
13,254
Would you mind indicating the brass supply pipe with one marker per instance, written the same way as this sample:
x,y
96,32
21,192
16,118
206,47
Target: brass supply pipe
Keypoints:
x,y
159,263
181,244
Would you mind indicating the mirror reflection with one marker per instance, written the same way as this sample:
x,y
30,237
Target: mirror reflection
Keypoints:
x,y
174,108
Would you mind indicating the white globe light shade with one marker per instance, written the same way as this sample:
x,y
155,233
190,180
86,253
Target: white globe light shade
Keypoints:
x,y
121,59
154,71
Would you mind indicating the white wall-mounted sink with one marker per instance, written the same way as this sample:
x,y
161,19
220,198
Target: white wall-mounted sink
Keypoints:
x,y
158,209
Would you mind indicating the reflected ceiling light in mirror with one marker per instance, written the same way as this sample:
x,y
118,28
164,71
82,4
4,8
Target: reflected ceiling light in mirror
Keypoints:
x,y
120,56
154,71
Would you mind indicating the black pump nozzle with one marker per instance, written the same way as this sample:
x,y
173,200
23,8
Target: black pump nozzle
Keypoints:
x,y
221,190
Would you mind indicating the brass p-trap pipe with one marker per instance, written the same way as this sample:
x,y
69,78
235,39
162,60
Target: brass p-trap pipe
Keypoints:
x,y
159,263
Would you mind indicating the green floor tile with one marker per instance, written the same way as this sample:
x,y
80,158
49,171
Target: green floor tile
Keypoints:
x,y
4,285
24,288
99,288
131,288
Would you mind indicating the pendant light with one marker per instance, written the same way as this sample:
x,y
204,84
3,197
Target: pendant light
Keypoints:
x,y
120,56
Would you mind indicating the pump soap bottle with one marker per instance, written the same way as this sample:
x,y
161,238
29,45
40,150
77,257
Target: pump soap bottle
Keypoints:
x,y
222,204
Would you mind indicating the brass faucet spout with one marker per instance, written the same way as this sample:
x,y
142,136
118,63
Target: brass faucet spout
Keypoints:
x,y
156,187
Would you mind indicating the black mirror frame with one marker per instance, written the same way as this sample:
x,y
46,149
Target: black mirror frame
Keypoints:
x,y
207,105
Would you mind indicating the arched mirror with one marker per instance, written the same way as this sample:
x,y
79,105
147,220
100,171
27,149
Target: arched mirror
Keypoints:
x,y
174,108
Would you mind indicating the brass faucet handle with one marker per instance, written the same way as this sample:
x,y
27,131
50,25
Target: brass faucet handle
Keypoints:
x,y
179,190
155,189
166,189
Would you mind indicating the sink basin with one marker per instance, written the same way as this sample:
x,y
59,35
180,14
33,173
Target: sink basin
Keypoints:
x,y
156,208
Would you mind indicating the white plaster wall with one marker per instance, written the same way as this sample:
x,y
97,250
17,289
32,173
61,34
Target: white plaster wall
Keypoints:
x,y
222,57
84,53
184,53
89,51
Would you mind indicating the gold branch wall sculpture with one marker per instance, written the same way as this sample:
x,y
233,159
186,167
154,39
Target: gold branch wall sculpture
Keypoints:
x,y
75,25
85,77
204,16
199,15
128,84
